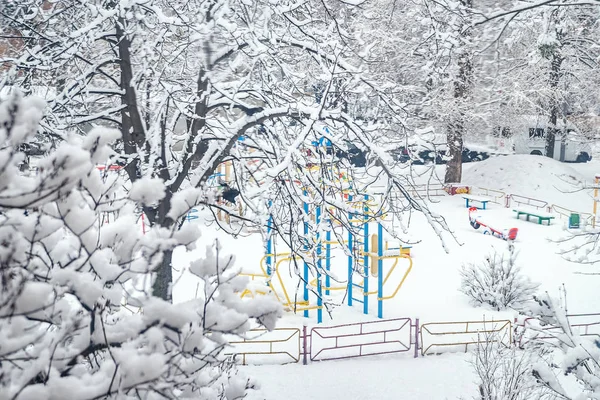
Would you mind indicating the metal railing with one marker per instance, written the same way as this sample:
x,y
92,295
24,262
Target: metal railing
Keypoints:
x,y
581,324
458,334
527,201
284,349
434,189
361,339
565,212
392,336
496,196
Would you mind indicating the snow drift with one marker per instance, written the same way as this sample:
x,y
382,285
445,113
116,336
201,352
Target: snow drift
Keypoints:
x,y
533,176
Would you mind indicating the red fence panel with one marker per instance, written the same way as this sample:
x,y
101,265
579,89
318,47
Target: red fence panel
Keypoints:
x,y
361,339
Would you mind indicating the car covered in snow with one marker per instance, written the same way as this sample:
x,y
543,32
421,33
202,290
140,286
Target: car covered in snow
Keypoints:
x,y
426,148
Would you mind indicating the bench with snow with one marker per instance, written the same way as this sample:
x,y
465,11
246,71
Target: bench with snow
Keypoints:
x,y
539,214
470,198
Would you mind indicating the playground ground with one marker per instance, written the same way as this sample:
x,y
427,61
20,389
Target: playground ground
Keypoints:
x,y
430,292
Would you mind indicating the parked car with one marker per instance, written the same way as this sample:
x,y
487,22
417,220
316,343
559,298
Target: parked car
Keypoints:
x,y
426,149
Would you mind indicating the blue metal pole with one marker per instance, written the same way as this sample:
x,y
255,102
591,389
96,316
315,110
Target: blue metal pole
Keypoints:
x,y
269,240
366,258
350,245
328,260
379,270
319,290
305,283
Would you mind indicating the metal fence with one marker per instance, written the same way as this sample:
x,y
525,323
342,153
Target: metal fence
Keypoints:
x,y
427,190
279,346
393,336
459,335
565,212
526,201
361,339
581,324
496,196
508,199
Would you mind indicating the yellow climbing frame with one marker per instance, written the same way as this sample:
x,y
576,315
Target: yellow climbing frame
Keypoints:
x,y
286,301
374,271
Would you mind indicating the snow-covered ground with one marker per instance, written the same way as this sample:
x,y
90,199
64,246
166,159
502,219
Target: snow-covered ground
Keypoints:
x,y
448,376
431,289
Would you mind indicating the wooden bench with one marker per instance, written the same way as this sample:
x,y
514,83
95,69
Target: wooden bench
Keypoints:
x,y
469,199
540,215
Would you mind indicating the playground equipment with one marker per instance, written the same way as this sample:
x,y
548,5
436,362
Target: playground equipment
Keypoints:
x,y
221,179
371,256
366,256
271,262
191,215
268,286
476,222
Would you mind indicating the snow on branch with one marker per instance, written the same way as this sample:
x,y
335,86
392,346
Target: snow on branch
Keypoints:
x,y
77,317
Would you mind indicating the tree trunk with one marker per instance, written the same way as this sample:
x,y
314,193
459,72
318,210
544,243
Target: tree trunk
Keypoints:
x,y
462,84
164,278
132,126
455,149
134,140
555,73
551,132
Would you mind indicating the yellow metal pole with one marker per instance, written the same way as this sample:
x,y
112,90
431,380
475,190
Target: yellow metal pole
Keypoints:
x,y
228,171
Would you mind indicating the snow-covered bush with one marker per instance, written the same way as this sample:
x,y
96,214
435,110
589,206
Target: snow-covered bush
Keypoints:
x,y
64,275
506,372
497,281
576,357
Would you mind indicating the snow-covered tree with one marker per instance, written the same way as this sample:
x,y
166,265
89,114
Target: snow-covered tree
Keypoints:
x,y
541,61
193,84
64,277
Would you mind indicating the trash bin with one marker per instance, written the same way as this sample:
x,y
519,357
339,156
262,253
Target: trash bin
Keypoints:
x,y
573,221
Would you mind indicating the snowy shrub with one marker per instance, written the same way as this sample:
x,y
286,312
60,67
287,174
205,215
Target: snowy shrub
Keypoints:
x,y
576,357
64,333
497,281
506,372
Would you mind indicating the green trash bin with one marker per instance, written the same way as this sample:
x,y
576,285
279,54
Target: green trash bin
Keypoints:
x,y
573,221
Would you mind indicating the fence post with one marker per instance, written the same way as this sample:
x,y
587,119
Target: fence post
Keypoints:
x,y
508,200
514,332
416,337
304,361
